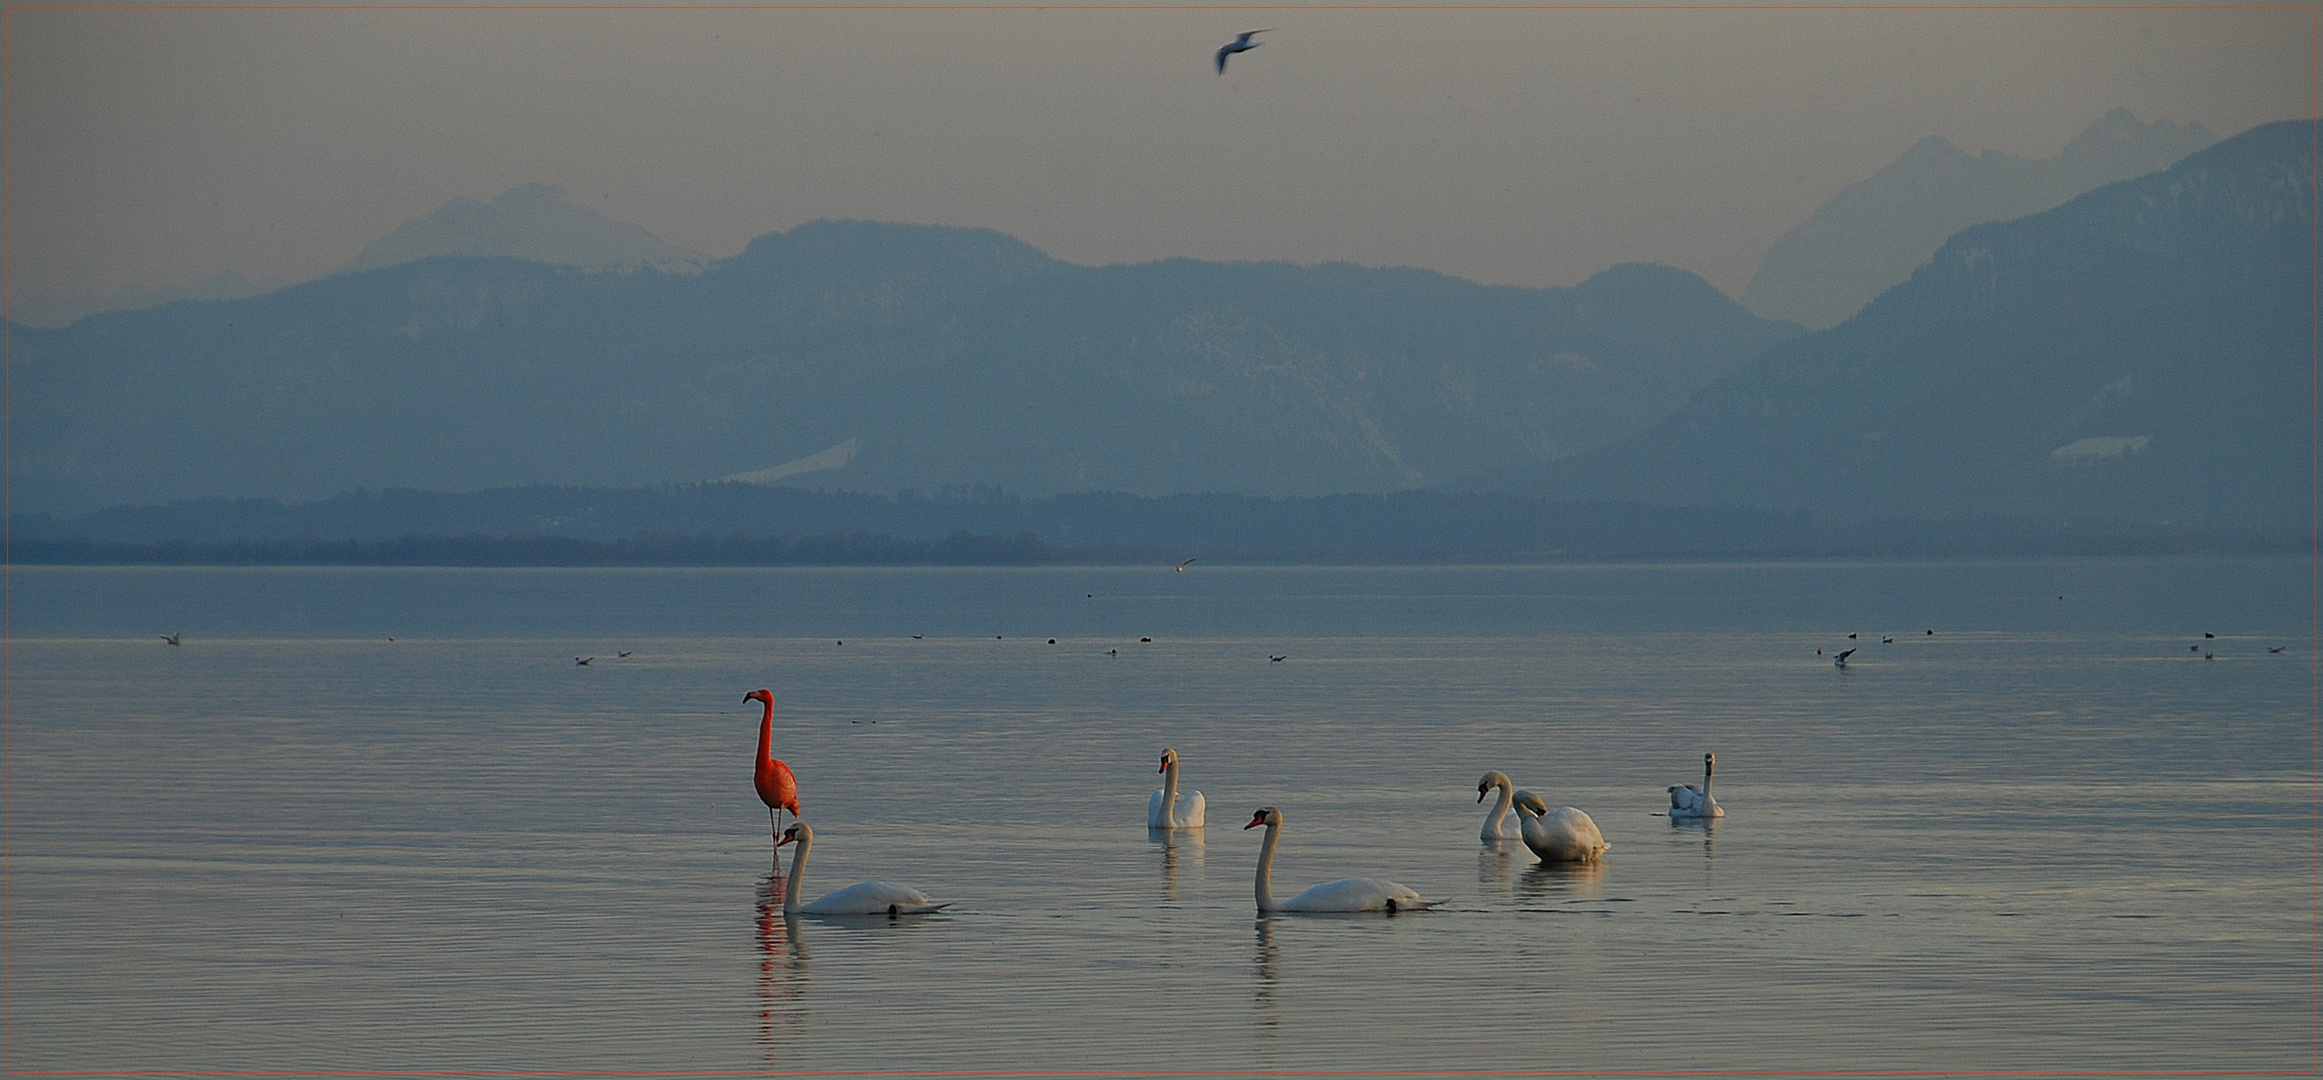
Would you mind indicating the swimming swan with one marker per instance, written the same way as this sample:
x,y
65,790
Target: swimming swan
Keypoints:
x,y
1345,894
861,898
1565,836
1688,801
1497,824
1181,812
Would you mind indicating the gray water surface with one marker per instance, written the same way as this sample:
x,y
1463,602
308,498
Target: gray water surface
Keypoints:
x,y
2048,836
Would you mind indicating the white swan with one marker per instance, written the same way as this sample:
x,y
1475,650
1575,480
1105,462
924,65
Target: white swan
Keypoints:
x,y
1497,824
1345,894
1168,810
861,898
1568,835
1688,801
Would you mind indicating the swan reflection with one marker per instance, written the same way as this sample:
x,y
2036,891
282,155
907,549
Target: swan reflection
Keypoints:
x,y
1178,846
782,969
1562,881
1494,864
1269,978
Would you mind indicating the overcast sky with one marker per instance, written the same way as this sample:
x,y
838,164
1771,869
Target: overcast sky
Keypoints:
x,y
1533,147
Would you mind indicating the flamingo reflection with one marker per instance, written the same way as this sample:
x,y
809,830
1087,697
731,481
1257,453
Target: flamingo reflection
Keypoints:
x,y
782,969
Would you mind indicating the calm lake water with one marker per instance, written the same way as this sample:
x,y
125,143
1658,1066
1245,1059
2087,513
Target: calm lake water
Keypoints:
x,y
2053,834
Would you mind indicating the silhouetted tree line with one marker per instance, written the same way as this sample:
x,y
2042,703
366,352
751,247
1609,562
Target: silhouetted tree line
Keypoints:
x,y
729,524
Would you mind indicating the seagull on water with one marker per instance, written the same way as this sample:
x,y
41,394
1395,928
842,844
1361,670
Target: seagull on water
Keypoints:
x,y
1841,659
171,638
1241,43
582,661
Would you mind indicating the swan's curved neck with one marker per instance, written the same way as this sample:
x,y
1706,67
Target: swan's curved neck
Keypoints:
x,y
1706,771
766,733
1499,812
1265,884
1170,793
798,869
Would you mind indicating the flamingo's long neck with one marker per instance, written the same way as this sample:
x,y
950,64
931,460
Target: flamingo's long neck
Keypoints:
x,y
1265,886
766,735
798,869
1169,793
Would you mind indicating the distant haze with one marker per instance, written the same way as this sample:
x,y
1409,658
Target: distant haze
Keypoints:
x,y
161,149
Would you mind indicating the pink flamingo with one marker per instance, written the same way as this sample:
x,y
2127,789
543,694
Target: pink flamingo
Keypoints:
x,y
777,788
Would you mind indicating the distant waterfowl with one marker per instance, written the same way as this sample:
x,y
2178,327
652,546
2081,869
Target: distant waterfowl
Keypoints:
x,y
1145,639
1169,810
919,637
1887,641
1566,835
2276,649
2208,634
1850,637
1240,44
1272,659
173,638
777,788
1841,659
1182,566
1497,824
861,898
624,654
1688,801
1345,894
582,661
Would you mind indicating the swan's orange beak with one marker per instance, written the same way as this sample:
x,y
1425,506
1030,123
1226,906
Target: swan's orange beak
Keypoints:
x,y
1480,793
1256,820
788,835
1165,767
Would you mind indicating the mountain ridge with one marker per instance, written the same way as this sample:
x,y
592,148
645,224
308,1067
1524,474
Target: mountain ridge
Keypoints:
x,y
2141,353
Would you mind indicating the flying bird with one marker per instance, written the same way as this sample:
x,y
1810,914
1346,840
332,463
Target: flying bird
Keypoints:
x,y
1182,566
1241,43
580,661
625,653
1841,659
172,638
2276,649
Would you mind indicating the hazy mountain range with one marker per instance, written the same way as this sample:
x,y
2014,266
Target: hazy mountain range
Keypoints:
x,y
2139,354
2142,353
1869,237
538,222
900,355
